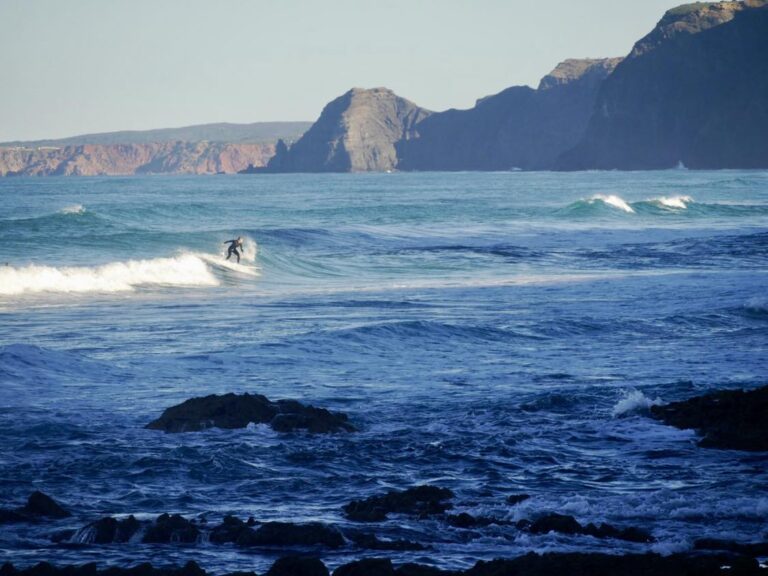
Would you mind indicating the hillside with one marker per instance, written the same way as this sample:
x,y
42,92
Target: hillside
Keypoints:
x,y
255,133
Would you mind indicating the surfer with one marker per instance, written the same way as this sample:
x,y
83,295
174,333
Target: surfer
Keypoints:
x,y
233,246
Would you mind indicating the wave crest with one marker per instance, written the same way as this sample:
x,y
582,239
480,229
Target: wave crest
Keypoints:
x,y
74,209
672,202
182,270
633,402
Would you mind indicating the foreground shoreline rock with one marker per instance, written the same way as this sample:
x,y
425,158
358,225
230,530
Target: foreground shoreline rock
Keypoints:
x,y
729,419
550,564
231,411
39,507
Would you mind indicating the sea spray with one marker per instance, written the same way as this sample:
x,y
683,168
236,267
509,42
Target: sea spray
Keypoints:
x,y
633,402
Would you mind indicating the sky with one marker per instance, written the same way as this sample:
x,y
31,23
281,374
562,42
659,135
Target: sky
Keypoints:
x,y
83,66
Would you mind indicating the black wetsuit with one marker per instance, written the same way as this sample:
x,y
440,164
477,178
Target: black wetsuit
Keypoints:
x,y
233,246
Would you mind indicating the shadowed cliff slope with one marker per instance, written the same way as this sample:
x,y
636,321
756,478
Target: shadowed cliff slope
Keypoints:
x,y
355,133
695,90
517,128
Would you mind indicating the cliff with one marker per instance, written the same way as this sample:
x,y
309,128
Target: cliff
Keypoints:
x,y
123,159
517,128
694,90
355,133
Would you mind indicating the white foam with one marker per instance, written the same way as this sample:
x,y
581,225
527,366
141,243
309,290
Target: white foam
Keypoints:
x,y
182,270
74,209
632,402
612,200
673,202
673,546
249,250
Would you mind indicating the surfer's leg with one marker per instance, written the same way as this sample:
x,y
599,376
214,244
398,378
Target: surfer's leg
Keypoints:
x,y
238,256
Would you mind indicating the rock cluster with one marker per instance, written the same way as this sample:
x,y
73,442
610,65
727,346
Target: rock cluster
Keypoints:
x,y
731,419
237,411
529,565
39,507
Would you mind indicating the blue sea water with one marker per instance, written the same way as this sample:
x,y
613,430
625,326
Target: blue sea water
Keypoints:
x,y
491,333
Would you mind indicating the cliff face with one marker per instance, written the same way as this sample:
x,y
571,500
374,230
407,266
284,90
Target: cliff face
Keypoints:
x,y
124,159
695,90
355,133
517,128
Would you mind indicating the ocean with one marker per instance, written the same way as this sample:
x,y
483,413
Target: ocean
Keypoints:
x,y
495,334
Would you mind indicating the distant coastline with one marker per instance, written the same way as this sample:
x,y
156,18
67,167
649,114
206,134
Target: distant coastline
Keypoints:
x,y
692,92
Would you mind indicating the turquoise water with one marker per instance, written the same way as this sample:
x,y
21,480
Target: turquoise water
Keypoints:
x,y
492,333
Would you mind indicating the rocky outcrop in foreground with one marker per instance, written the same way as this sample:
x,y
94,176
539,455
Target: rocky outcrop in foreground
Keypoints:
x,y
356,132
127,159
39,507
528,565
731,419
237,411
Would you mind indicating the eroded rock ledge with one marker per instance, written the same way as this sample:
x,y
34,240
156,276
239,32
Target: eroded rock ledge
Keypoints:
x,y
731,419
238,410
552,564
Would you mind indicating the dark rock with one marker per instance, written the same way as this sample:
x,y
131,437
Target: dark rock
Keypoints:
x,y
749,549
555,523
356,132
237,411
13,516
287,534
372,542
229,530
419,501
627,534
38,507
564,524
731,419
298,566
171,529
517,498
43,505
609,565
695,90
366,567
419,570
107,530
63,536
144,569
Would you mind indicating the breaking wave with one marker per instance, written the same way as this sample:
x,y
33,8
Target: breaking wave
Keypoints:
x,y
608,200
73,209
187,269
671,202
183,270
634,402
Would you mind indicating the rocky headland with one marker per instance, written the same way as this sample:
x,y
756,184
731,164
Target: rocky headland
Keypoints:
x,y
126,159
356,132
694,90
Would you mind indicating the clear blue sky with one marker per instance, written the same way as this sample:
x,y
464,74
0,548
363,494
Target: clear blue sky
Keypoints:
x,y
79,66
